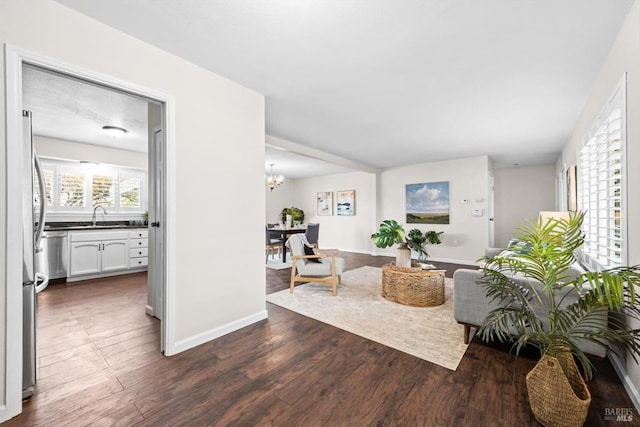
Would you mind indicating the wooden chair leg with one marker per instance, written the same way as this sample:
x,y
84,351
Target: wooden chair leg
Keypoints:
x,y
293,275
467,332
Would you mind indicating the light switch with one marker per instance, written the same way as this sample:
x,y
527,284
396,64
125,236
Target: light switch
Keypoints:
x,y
476,212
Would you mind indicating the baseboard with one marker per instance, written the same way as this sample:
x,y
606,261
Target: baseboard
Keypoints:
x,y
631,388
212,334
436,259
149,310
453,261
357,251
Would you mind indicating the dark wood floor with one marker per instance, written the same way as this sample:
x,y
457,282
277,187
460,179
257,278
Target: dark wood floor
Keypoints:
x,y
100,365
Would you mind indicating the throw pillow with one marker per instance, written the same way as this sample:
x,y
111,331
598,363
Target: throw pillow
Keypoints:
x,y
308,250
519,247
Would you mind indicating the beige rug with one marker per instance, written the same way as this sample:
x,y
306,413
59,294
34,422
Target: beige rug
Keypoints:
x,y
429,333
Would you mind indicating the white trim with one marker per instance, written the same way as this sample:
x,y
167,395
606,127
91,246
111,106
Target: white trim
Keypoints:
x,y
109,274
14,58
13,249
212,334
436,259
621,370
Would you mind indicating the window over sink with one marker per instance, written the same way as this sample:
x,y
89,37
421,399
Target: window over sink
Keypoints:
x,y
74,188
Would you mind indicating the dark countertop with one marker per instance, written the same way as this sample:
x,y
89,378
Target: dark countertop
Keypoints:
x,y
75,226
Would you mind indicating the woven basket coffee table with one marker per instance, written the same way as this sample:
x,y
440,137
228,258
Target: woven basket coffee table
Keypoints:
x,y
413,286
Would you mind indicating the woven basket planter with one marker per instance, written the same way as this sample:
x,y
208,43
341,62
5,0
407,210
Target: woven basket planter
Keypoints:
x,y
556,399
412,286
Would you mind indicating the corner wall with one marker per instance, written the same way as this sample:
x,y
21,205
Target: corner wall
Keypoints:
x,y
348,233
520,194
624,57
215,119
466,237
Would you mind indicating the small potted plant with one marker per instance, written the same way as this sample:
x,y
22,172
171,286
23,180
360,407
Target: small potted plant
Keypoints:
x,y
295,215
417,241
391,233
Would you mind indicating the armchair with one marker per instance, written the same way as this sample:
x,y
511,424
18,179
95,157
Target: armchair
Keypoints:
x,y
314,267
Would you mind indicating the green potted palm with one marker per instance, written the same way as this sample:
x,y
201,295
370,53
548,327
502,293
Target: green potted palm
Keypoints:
x,y
391,233
417,241
556,311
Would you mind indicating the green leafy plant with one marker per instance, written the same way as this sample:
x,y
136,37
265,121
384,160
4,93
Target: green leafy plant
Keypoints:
x,y
296,214
417,241
390,233
542,316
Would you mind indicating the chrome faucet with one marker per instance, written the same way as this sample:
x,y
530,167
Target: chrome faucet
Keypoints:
x,y
93,218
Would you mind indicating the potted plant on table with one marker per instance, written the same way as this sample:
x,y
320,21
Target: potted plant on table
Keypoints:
x,y
543,315
391,233
418,241
294,214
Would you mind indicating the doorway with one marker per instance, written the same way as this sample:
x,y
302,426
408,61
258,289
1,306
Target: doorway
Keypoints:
x,y
15,60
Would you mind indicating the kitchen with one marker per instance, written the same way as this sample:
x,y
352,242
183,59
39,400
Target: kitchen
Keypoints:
x,y
92,146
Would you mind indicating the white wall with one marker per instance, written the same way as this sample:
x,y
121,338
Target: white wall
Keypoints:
x,y
520,194
70,150
215,119
348,233
466,237
623,57
278,199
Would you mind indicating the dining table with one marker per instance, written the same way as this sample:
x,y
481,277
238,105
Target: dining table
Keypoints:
x,y
283,233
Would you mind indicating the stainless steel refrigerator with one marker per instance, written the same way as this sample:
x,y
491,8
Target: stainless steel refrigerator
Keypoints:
x,y
34,275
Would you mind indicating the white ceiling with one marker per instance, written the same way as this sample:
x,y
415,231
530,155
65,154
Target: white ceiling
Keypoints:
x,y
295,166
74,110
388,83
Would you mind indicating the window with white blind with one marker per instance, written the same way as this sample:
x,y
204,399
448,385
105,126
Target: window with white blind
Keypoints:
x,y
73,188
602,186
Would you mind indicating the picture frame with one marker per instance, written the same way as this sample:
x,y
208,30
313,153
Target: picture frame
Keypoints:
x,y
346,202
325,203
427,203
572,188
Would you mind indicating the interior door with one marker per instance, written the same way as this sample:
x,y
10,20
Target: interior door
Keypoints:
x,y
157,221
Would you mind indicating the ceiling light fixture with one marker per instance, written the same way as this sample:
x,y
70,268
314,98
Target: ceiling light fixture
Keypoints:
x,y
273,181
114,131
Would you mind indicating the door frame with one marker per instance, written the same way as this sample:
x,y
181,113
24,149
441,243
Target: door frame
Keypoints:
x,y
14,59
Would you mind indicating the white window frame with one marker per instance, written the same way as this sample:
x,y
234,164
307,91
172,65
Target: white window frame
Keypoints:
x,y
594,179
67,213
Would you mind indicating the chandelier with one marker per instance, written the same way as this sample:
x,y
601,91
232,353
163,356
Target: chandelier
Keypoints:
x,y
274,181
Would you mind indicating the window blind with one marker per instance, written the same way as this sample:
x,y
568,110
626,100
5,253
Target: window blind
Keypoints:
x,y
602,187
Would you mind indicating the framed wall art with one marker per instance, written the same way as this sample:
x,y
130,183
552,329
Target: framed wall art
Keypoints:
x,y
325,203
346,202
427,203
572,189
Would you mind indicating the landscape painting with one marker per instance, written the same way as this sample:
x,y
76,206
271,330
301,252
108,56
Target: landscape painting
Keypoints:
x,y
428,203
346,202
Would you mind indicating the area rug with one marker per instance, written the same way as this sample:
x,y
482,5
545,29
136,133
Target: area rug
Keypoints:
x,y
429,333
277,264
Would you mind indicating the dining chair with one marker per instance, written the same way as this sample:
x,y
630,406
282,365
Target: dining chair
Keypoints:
x,y
314,265
272,245
313,230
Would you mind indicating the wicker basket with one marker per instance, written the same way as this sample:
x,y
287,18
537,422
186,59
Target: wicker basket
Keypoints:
x,y
413,286
557,399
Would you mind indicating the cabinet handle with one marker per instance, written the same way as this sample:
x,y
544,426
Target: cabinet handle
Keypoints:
x,y
103,246
140,253
140,243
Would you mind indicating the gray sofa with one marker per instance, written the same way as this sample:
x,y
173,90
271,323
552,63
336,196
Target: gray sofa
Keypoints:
x,y
471,306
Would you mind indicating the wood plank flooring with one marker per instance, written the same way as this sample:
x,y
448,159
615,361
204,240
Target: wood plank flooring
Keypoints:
x,y
99,364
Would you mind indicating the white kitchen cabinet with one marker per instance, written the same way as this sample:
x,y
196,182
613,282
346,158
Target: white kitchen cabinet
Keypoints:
x,y
98,252
138,248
